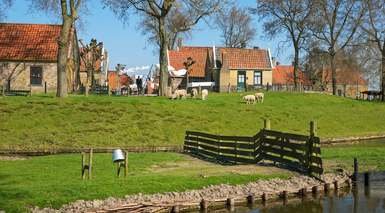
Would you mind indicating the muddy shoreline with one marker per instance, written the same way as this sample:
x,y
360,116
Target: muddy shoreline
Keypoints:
x,y
270,189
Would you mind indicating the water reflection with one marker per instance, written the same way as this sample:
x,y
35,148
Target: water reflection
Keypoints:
x,y
359,199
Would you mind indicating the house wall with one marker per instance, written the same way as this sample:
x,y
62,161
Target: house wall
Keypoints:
x,y
231,77
20,79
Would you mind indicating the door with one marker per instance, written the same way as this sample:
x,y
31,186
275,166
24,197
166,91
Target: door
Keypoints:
x,y
241,81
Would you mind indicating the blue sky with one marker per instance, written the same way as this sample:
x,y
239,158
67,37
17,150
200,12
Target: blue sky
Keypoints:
x,y
126,44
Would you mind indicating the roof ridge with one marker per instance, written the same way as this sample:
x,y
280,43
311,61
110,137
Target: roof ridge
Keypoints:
x,y
36,24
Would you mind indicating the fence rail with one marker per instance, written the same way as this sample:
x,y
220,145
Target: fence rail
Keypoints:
x,y
15,92
299,152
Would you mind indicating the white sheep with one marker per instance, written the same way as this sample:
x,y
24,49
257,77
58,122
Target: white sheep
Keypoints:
x,y
181,93
205,93
194,93
250,99
259,96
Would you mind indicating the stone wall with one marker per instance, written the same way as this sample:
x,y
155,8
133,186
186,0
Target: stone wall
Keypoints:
x,y
20,76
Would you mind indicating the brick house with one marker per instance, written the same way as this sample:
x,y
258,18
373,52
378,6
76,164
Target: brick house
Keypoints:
x,y
349,82
283,75
28,56
234,69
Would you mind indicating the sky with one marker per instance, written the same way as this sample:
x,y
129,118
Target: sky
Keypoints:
x,y
125,42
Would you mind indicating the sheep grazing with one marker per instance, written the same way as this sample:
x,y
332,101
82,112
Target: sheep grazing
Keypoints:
x,y
181,93
205,93
259,96
194,93
250,99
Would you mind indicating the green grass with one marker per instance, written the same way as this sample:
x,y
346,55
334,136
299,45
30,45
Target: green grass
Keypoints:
x,y
52,181
44,122
370,156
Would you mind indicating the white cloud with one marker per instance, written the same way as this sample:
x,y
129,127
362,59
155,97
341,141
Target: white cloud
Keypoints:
x,y
138,70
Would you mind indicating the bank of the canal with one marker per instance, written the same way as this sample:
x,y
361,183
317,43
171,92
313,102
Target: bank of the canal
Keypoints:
x,y
347,200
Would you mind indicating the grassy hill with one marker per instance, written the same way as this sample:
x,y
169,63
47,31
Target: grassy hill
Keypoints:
x,y
40,122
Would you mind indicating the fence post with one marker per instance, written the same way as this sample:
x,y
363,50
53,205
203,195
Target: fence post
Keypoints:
x,y
235,150
45,87
3,90
266,124
313,133
90,164
218,148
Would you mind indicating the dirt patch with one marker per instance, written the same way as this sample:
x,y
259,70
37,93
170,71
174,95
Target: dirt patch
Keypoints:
x,y
215,192
204,168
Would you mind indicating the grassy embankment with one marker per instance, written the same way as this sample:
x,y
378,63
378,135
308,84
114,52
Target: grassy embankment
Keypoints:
x,y
52,181
38,122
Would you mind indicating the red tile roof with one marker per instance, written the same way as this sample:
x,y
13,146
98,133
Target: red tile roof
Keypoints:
x,y
198,54
344,76
29,42
238,58
284,74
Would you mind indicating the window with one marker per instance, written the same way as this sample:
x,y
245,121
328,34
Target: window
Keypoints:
x,y
257,78
36,75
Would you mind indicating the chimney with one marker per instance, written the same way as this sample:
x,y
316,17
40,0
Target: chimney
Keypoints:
x,y
256,48
274,61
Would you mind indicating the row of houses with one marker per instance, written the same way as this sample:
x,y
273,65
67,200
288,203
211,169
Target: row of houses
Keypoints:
x,y
238,69
28,60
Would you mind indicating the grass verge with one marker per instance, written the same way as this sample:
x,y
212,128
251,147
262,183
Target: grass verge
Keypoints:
x,y
52,181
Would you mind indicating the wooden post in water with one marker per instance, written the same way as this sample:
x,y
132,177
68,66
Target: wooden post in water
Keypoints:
x,y
250,199
367,178
230,203
355,173
204,205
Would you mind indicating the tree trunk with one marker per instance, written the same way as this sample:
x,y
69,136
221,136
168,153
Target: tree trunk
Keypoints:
x,y
62,58
333,70
163,60
296,63
383,75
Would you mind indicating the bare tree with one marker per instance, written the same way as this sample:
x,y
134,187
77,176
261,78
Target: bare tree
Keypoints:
x,y
90,54
336,24
69,13
178,26
374,27
158,10
236,27
290,16
4,6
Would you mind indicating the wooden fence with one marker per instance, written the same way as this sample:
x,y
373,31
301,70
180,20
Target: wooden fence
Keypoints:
x,y
299,152
15,92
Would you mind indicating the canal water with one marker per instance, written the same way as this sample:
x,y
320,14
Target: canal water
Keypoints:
x,y
361,199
